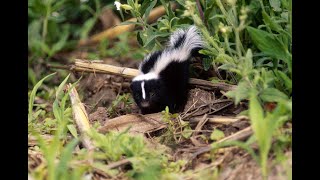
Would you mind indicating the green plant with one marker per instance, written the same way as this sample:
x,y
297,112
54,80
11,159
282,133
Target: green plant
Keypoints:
x,y
125,100
55,149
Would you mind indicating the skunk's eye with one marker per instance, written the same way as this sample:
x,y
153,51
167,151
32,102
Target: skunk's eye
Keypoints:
x,y
152,94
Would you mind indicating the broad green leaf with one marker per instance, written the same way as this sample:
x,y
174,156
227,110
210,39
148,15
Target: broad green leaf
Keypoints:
x,y
240,93
38,7
152,36
275,4
217,135
273,95
268,44
34,29
256,116
33,94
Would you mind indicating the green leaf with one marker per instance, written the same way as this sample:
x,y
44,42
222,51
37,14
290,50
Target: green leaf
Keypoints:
x,y
152,36
73,130
256,116
33,94
60,44
240,93
272,24
66,156
217,135
275,4
86,28
44,47
36,114
287,81
187,131
57,111
148,10
248,61
268,44
273,95
206,52
32,76
207,63
169,10
58,5
59,91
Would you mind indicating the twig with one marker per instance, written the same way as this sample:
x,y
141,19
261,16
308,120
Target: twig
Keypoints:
x,y
240,135
222,86
193,111
202,121
57,66
200,11
220,119
118,163
92,67
138,123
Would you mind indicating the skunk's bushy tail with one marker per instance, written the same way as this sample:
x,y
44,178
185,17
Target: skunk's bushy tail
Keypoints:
x,y
186,40
183,44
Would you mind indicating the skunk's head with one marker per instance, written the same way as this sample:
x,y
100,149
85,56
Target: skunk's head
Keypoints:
x,y
147,94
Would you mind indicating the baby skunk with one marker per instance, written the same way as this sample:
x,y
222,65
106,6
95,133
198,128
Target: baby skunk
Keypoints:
x,y
164,75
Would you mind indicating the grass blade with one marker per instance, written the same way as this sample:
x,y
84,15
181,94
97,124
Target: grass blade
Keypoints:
x,y
33,94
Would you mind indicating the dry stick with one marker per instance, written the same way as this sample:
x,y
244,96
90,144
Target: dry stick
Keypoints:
x,y
202,121
240,135
92,67
80,117
211,103
84,65
115,31
118,163
220,119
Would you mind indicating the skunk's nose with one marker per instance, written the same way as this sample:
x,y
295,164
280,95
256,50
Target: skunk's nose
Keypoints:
x,y
145,104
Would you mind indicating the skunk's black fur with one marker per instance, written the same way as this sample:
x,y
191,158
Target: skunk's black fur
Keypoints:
x,y
164,75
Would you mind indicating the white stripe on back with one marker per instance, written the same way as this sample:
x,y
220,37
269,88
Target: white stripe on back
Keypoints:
x,y
143,90
147,76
